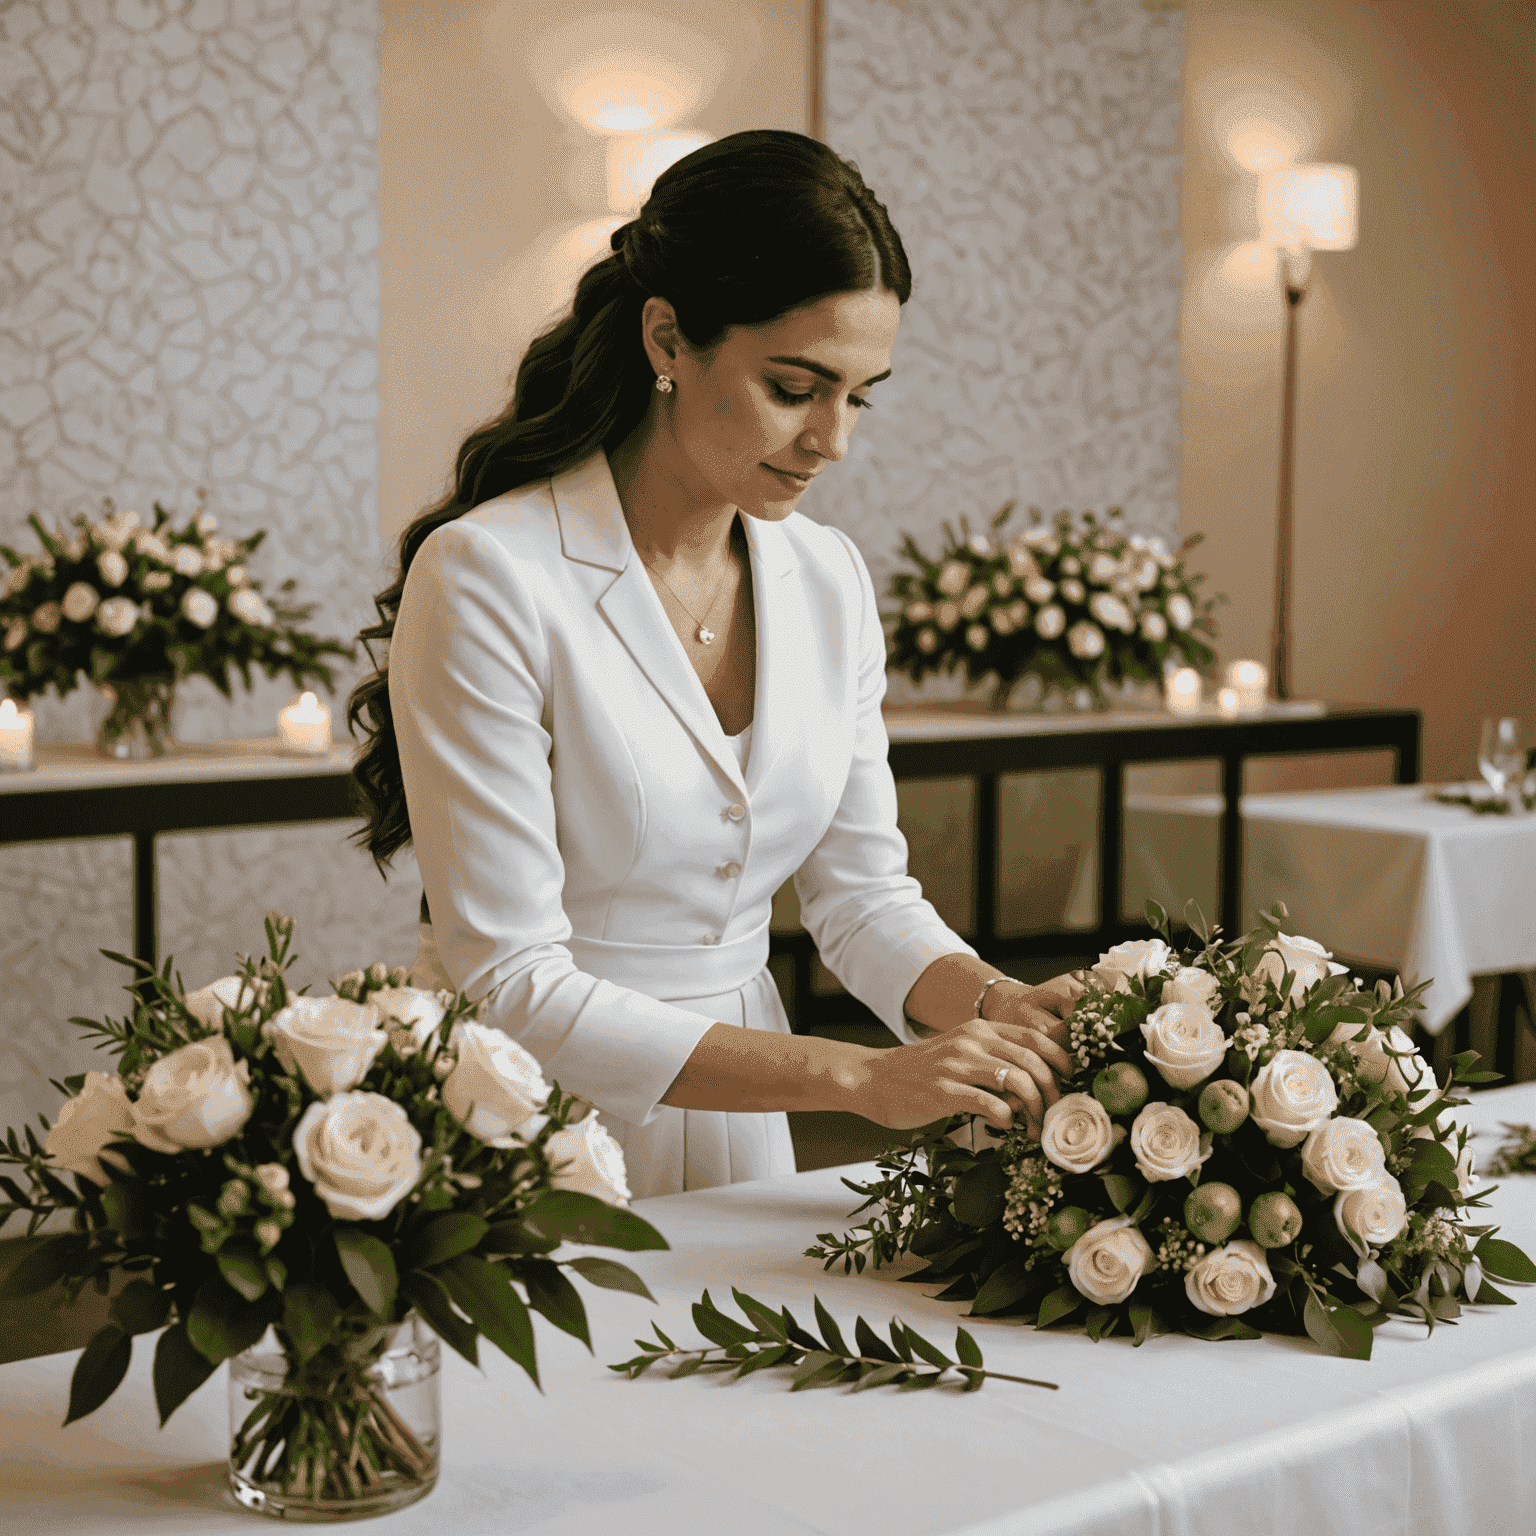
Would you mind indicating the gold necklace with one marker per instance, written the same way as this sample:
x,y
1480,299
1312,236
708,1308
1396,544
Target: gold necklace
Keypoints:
x,y
703,634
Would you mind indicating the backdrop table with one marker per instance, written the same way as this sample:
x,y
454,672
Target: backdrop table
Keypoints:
x,y
1434,1437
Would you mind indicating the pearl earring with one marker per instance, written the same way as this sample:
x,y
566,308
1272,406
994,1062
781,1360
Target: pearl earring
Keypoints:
x,y
663,384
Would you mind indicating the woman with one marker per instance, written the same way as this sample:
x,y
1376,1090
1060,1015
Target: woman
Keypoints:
x,y
630,692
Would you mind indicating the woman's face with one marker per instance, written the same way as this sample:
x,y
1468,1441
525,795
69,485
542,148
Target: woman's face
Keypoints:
x,y
770,407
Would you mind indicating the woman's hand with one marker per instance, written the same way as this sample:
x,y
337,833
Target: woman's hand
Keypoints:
x,y
1043,1007
974,1069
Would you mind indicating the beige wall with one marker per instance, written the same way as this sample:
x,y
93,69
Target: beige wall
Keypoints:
x,y
477,167
1416,472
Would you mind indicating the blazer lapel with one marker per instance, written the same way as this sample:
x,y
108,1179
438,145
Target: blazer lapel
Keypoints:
x,y
593,532
782,628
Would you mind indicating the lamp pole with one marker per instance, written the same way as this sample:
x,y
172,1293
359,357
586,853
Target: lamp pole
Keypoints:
x,y
1295,291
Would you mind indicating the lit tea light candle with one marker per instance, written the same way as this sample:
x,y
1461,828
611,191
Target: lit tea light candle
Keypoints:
x,y
1250,681
304,726
1181,692
15,737
1230,702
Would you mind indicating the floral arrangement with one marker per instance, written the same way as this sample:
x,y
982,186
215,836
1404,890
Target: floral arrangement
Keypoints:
x,y
117,600
1079,607
1249,1142
329,1168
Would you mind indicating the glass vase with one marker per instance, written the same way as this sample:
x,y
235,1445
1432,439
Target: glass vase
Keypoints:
x,y
138,720
352,1431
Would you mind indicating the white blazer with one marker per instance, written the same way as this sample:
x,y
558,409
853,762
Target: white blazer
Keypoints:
x,y
597,863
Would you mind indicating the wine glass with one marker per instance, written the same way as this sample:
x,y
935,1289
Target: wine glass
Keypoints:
x,y
1500,756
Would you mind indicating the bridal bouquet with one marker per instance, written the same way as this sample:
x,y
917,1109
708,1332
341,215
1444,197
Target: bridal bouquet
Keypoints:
x,y
1077,607
1249,1142
348,1171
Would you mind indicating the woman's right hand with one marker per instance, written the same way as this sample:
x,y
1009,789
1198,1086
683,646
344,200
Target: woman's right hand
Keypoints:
x,y
957,1072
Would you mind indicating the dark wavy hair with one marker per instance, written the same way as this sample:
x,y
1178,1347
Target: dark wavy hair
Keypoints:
x,y
739,232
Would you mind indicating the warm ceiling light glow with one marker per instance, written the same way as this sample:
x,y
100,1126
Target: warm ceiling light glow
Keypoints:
x,y
1310,207
1259,144
635,162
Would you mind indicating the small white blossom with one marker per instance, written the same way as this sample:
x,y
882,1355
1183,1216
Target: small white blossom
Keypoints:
x,y
199,607
80,602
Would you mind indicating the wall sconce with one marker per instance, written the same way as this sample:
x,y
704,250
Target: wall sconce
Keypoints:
x,y
1302,208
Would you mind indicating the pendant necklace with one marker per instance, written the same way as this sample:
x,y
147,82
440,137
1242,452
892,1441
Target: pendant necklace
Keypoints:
x,y
703,633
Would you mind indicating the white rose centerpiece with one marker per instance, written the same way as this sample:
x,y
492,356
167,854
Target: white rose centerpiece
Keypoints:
x,y
1184,1043
1108,1260
496,1090
361,1153
1292,1095
329,1041
197,1096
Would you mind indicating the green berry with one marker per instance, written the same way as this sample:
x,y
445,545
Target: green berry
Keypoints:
x,y
1066,1226
1274,1220
1223,1105
1122,1088
1213,1211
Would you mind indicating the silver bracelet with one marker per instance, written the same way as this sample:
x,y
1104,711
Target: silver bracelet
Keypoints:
x,y
989,984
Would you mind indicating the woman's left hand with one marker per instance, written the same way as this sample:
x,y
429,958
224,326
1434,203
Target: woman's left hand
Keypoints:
x,y
1042,1009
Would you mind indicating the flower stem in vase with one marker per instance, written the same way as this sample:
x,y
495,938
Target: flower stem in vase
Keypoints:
x,y
137,726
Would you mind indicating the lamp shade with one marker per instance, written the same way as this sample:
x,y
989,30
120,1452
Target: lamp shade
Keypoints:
x,y
1311,207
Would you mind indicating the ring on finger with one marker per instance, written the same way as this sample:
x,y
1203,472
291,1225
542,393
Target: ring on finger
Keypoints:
x,y
1002,1077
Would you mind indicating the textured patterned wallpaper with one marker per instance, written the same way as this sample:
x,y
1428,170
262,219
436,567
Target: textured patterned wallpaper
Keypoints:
x,y
1029,153
189,295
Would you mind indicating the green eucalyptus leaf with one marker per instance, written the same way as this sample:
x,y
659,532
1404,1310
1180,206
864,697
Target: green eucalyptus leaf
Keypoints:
x,y
223,1322
99,1371
552,1294
1505,1260
611,1276
140,1307
1062,1302
370,1266
576,1218
483,1292
310,1314
180,1369
429,1296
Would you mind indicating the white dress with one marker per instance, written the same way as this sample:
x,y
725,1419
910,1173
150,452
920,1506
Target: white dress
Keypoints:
x,y
599,858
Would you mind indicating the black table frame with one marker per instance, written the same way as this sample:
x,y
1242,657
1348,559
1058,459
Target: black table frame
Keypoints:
x,y
986,758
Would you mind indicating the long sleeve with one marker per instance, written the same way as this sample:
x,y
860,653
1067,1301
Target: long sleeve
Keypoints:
x,y
869,919
469,686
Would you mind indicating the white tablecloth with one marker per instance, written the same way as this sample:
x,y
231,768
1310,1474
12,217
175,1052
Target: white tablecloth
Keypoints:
x,y
1386,876
1434,1437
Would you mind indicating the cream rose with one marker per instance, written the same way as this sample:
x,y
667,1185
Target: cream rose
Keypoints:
x,y
495,1088
117,616
1306,959
1136,957
1342,1154
45,618
1230,1280
1105,1263
87,1125
198,1096
1077,1133
80,602
417,1010
1038,590
249,607
1154,627
186,560
208,1003
1184,1043
1387,1056
1374,1215
112,568
586,1158
199,607
1166,1143
1181,612
329,1041
1085,640
954,578
1111,612
1292,1094
361,1153
1050,621
1189,984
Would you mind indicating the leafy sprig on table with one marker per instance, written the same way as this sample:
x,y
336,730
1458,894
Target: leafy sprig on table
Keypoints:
x,y
1516,1153
771,1339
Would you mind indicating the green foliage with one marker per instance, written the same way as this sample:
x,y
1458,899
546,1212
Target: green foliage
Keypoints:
x,y
771,1339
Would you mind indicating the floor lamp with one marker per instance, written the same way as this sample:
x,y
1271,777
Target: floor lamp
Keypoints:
x,y
1302,208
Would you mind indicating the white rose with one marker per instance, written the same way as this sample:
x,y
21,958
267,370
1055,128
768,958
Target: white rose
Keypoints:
x,y
1387,1056
1001,620
186,560
1002,584
418,1010
1072,589
1181,612
112,568
1102,568
1305,958
15,634
917,613
76,547
1159,551
496,1088
156,581
947,614
1154,627
980,544
117,616
195,1097
1184,1043
1342,1154
1166,1143
1230,1279
361,1153
1374,1215
1021,561
1111,612
1292,1094
45,618
1049,622
1043,539
927,641
954,578
329,1041
1077,1133
1189,984
977,636
586,1158
151,544
236,576
208,1003
80,602
1105,1263
974,600
1085,640
199,607
1136,957
1018,611
87,1125
1038,590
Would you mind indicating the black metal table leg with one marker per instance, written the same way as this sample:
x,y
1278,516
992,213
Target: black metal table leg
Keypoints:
x,y
1231,846
1111,845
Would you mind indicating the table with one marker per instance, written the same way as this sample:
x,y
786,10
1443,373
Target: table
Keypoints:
x,y
1434,1437
1387,877
937,741
74,792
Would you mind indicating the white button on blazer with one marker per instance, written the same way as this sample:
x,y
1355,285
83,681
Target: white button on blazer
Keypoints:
x,y
572,798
